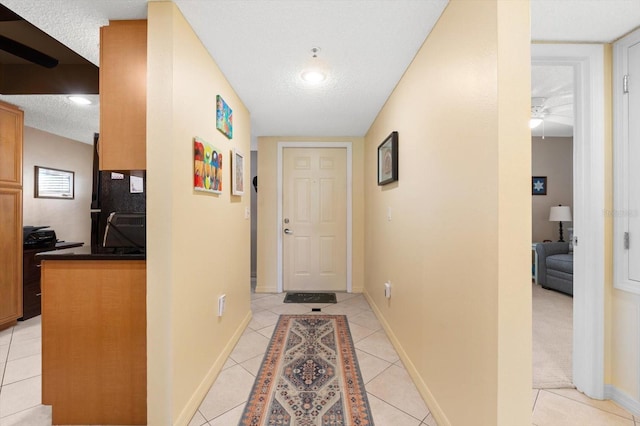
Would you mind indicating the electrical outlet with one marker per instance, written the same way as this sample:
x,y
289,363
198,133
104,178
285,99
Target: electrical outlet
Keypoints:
x,y
221,302
247,212
387,289
389,214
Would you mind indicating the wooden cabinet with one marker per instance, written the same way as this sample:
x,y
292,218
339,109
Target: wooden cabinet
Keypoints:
x,y
31,290
11,127
94,346
123,95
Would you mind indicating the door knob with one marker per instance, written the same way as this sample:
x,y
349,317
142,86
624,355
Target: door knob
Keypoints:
x,y
288,231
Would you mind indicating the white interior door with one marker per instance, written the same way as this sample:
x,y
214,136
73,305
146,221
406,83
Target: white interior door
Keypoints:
x,y
633,160
314,214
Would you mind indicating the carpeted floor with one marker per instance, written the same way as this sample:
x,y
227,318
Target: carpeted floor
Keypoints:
x,y
552,339
309,376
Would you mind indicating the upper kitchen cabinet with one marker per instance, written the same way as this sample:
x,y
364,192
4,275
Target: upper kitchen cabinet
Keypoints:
x,y
11,124
123,95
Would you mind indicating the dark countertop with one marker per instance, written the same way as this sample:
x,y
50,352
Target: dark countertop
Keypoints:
x,y
84,253
60,245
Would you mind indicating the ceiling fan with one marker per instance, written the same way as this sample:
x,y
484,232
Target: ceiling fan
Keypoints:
x,y
555,109
19,49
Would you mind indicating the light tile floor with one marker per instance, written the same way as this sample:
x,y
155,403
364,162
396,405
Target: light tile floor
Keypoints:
x,y
393,398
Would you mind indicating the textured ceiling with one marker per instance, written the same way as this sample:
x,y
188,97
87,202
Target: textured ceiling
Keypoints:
x,y
261,46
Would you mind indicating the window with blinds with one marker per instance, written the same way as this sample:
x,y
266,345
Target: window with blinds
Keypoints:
x,y
53,183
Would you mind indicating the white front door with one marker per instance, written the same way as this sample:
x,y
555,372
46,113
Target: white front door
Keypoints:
x,y
314,218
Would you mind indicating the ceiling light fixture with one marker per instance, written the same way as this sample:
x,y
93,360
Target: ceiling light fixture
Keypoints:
x,y
313,76
314,72
535,122
79,100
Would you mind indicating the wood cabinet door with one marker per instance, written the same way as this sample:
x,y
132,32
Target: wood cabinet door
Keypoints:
x,y
11,119
10,254
123,95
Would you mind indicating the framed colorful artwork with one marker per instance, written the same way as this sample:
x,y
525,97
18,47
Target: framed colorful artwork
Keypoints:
x,y
237,172
224,117
539,185
388,160
207,167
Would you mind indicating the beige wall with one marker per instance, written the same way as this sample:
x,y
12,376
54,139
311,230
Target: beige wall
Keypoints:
x,y
456,249
198,243
70,219
267,210
553,158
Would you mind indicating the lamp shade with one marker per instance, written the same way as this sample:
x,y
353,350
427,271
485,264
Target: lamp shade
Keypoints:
x,y
560,214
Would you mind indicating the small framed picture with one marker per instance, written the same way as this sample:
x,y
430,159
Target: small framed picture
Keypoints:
x,y
388,160
539,185
237,172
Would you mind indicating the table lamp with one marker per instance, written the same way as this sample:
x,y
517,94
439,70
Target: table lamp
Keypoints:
x,y
560,214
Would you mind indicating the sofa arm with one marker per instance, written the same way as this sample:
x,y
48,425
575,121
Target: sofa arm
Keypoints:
x,y
548,249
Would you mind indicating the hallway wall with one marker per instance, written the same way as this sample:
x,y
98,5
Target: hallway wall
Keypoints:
x,y
198,243
457,248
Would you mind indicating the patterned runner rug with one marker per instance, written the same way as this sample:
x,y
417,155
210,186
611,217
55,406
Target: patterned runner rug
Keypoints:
x,y
309,376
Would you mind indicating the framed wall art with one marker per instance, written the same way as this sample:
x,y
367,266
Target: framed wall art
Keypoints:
x,y
539,185
224,117
388,160
237,172
207,167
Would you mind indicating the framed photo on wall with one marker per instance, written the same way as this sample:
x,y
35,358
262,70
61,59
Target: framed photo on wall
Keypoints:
x,y
388,160
207,167
237,172
539,185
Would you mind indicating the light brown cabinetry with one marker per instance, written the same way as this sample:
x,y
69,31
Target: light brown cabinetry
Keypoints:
x,y
94,347
123,95
11,127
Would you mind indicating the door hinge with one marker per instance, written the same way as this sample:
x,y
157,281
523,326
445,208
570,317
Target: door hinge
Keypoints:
x,y
626,240
625,84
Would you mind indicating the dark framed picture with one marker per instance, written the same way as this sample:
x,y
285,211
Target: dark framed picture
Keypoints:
x,y
388,160
539,185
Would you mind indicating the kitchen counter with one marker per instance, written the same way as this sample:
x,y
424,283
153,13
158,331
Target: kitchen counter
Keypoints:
x,y
85,253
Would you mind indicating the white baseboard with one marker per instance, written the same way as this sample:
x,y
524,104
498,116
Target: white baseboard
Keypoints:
x,y
201,391
625,401
422,387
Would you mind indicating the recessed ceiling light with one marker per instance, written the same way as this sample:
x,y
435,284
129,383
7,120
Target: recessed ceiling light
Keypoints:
x,y
80,100
313,76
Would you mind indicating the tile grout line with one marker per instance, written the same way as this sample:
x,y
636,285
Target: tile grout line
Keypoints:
x,y
588,405
222,414
6,361
399,409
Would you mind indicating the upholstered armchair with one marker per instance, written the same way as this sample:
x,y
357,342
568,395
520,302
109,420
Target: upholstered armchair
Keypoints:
x,y
555,266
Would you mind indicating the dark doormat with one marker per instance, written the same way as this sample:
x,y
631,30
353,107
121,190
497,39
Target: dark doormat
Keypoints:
x,y
310,298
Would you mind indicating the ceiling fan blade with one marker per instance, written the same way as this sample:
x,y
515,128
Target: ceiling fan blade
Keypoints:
x,y
559,119
27,53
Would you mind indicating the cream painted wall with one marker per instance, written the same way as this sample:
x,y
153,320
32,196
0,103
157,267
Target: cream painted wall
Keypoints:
x,y
268,209
553,158
457,248
70,219
198,243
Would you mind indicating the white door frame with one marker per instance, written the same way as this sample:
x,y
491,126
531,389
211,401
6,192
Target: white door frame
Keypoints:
x,y
279,193
587,61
